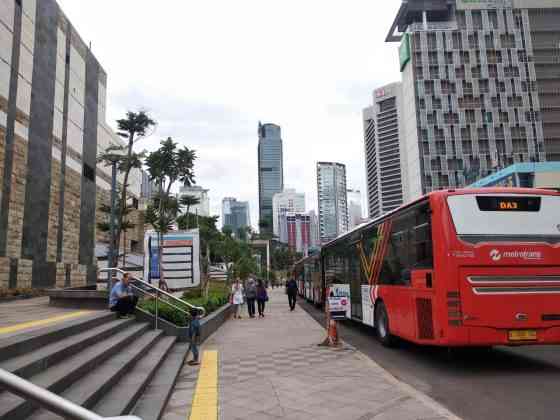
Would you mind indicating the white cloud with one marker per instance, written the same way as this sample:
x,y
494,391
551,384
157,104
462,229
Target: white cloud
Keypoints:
x,y
209,71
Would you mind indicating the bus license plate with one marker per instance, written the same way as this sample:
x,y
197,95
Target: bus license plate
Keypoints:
x,y
522,335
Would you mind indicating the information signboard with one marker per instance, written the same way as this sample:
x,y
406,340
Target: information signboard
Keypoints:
x,y
338,307
179,258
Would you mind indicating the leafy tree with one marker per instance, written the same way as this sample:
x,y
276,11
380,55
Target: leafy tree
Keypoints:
x,y
188,201
283,258
135,126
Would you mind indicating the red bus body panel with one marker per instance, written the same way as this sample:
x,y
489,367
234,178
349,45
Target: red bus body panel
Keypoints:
x,y
461,303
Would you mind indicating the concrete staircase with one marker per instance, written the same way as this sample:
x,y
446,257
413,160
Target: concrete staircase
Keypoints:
x,y
111,366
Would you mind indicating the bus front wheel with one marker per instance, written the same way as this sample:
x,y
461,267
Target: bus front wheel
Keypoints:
x,y
382,325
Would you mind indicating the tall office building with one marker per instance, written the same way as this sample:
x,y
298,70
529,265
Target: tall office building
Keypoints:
x,y
355,216
287,201
315,240
271,172
481,84
383,131
332,200
203,207
235,214
299,233
52,128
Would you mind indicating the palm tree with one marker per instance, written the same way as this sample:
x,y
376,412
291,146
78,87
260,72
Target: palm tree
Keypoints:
x,y
188,201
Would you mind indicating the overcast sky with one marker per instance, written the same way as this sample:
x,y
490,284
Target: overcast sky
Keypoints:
x,y
209,70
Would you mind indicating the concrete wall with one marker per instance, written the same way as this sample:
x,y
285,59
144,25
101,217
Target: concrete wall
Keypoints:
x,y
52,128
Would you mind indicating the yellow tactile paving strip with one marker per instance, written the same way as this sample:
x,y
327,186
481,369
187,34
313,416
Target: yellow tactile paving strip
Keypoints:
x,y
42,322
205,400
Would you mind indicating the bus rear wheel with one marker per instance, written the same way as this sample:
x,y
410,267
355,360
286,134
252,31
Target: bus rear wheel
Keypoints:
x,y
382,326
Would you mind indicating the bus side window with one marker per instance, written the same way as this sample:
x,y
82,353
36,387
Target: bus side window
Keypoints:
x,y
421,246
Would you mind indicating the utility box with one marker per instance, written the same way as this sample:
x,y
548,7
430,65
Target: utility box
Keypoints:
x,y
180,258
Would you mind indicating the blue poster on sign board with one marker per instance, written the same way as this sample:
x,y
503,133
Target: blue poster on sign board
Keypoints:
x,y
154,259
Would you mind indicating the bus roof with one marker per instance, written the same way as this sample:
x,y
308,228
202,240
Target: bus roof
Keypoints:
x,y
446,193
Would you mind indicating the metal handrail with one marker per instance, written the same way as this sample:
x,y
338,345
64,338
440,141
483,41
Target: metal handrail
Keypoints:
x,y
155,297
157,294
50,401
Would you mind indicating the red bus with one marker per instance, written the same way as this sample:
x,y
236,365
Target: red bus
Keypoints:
x,y
468,267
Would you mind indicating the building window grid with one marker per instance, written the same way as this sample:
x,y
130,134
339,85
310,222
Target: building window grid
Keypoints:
x,y
489,61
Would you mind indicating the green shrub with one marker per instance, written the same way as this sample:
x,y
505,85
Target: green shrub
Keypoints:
x,y
218,295
165,311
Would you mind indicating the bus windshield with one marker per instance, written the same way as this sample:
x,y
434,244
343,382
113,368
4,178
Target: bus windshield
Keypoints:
x,y
506,217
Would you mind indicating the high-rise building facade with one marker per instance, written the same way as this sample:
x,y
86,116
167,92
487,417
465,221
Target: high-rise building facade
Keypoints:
x,y
383,131
332,200
235,214
314,240
52,129
355,216
287,201
271,172
299,232
203,207
481,84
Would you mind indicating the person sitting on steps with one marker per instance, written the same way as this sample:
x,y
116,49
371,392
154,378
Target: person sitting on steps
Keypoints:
x,y
121,299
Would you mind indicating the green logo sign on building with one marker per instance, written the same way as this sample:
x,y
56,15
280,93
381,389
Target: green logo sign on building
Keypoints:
x,y
404,51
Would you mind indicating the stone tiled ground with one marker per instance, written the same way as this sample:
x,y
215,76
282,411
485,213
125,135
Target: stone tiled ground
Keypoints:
x,y
272,369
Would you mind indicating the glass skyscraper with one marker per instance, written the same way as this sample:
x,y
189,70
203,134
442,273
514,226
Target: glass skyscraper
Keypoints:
x,y
332,200
271,172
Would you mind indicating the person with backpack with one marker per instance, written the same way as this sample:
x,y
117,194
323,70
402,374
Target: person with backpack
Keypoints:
x,y
251,295
262,297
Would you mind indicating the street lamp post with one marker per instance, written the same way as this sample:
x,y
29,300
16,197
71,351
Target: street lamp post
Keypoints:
x,y
110,257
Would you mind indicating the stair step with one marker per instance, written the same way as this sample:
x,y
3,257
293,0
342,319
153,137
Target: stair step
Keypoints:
x,y
101,382
59,377
125,393
41,359
28,341
154,399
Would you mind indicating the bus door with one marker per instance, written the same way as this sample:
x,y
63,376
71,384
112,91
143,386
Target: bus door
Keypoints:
x,y
355,279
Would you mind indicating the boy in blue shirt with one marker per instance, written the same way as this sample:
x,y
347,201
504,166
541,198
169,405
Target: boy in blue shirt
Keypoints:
x,y
194,335
121,299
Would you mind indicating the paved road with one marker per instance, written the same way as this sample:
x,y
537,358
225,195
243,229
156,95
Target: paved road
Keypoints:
x,y
504,383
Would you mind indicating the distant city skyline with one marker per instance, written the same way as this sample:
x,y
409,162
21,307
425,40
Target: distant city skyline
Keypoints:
x,y
215,111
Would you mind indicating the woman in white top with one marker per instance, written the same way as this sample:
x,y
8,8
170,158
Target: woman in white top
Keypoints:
x,y
236,297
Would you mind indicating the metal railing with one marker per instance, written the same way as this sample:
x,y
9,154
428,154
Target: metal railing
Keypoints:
x,y
50,401
157,296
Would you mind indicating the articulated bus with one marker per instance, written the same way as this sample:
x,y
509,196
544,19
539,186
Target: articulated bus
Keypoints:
x,y
469,267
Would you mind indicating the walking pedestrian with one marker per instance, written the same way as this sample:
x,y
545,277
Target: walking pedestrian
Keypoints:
x,y
251,295
194,335
291,291
236,297
262,297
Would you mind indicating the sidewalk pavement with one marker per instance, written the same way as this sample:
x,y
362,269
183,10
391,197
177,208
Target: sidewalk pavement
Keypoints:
x,y
272,369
